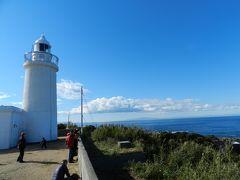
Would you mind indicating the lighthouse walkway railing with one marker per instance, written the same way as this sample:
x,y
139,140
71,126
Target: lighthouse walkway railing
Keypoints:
x,y
85,166
41,56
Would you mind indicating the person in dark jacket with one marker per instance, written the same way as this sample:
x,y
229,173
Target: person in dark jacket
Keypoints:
x,y
21,147
44,143
61,171
75,144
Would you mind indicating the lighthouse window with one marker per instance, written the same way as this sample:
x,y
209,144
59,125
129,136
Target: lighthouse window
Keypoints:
x,y
41,47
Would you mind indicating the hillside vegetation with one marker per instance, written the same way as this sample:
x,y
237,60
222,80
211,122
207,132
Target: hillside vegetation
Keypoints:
x,y
174,155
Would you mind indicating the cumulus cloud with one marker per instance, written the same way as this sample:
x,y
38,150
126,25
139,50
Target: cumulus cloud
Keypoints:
x,y
67,89
4,95
123,104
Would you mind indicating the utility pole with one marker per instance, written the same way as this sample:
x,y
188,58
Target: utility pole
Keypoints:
x,y
81,110
68,120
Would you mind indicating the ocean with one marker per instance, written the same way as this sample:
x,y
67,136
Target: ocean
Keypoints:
x,y
228,126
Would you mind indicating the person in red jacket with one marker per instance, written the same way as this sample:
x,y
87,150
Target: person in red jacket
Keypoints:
x,y
70,145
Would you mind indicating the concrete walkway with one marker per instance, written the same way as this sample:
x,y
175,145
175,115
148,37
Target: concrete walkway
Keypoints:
x,y
39,164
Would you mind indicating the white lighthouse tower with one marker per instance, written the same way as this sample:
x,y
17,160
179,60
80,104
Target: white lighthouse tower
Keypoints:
x,y
39,98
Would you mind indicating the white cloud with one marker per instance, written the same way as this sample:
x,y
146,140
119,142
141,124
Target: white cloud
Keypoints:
x,y
123,104
69,90
17,104
4,95
229,107
62,112
20,103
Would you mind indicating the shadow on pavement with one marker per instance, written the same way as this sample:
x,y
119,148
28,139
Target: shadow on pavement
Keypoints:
x,y
42,162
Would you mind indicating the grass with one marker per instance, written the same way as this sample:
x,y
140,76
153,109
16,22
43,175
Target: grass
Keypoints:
x,y
171,155
110,147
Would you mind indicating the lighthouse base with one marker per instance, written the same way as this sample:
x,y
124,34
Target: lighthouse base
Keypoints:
x,y
40,125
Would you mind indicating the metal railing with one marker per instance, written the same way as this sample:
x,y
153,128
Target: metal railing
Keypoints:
x,y
41,56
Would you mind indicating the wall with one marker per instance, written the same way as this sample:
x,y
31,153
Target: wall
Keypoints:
x,y
40,100
17,126
5,119
85,166
12,123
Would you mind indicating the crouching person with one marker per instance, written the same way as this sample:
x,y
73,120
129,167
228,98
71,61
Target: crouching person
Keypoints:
x,y
61,171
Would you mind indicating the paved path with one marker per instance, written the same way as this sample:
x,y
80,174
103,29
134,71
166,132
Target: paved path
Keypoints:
x,y
39,164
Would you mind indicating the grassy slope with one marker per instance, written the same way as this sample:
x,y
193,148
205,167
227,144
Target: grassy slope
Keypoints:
x,y
170,156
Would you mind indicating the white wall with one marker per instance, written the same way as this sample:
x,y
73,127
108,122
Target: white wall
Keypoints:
x,y
5,119
38,126
16,127
12,124
40,101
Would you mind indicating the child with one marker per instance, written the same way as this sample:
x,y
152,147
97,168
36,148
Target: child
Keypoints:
x,y
44,143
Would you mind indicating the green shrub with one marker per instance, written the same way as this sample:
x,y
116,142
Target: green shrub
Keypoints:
x,y
87,131
62,126
179,155
191,157
118,133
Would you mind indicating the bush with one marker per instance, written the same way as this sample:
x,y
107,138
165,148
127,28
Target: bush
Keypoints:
x,y
87,131
147,170
72,125
118,133
187,156
176,155
62,126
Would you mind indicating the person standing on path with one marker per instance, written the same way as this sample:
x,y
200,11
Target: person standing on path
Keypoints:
x,y
44,143
75,143
21,147
70,145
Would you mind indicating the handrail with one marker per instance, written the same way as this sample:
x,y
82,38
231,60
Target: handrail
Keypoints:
x,y
41,56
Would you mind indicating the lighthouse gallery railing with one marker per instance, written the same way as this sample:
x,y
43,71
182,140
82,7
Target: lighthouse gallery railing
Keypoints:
x,y
39,56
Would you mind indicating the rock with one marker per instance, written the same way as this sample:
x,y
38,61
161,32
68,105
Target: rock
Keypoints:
x,y
124,144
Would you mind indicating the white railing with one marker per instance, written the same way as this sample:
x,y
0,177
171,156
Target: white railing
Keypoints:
x,y
41,56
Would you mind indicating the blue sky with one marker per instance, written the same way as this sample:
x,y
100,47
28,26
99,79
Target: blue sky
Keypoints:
x,y
136,58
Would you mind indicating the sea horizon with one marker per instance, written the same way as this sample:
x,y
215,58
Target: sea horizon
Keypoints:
x,y
220,126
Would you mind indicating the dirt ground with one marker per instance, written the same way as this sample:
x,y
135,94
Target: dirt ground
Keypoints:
x,y
39,164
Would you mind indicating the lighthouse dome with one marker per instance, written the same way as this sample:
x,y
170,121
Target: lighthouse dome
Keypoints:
x,y
42,45
42,39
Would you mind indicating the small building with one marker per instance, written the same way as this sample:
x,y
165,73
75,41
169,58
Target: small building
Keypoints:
x,y
12,124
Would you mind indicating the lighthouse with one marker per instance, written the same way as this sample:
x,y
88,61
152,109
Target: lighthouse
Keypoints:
x,y
39,95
